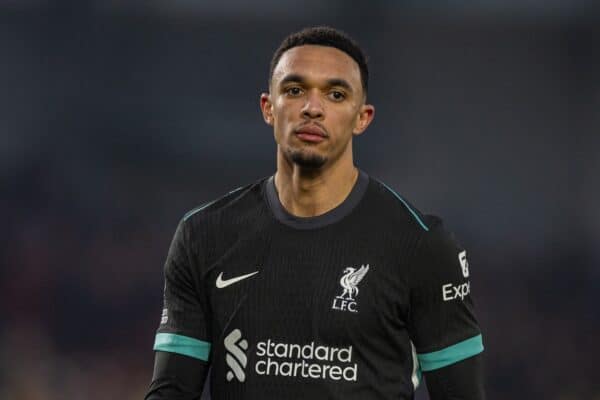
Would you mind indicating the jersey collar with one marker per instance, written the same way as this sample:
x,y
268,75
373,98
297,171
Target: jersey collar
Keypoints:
x,y
330,217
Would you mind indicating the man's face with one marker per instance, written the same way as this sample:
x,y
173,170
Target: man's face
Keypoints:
x,y
315,105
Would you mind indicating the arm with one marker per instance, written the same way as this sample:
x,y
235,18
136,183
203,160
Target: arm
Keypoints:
x,y
460,381
182,341
442,323
176,377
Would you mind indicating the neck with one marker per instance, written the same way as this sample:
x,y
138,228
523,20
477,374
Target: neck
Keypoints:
x,y
309,193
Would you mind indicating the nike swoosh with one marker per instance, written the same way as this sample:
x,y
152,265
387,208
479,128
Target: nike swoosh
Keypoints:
x,y
224,283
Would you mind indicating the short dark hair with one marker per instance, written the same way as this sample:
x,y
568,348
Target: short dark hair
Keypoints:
x,y
324,36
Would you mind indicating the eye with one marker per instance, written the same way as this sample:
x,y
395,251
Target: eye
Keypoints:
x,y
293,91
336,95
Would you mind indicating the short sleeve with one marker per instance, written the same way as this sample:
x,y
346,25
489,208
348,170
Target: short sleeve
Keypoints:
x,y
184,326
442,323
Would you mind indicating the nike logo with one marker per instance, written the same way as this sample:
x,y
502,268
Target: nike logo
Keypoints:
x,y
221,283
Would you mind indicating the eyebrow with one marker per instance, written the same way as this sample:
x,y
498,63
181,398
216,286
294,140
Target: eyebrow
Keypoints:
x,y
330,82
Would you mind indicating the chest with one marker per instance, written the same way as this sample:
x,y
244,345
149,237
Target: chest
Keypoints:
x,y
303,287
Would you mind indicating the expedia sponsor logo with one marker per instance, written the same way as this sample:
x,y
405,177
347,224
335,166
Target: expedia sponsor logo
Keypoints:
x,y
307,361
464,264
451,291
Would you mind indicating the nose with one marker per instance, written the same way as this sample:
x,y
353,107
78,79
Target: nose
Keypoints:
x,y
313,107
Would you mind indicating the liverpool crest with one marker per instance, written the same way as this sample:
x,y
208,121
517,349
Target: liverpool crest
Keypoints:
x,y
349,282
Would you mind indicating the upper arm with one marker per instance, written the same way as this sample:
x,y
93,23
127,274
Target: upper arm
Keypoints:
x,y
442,323
185,322
183,339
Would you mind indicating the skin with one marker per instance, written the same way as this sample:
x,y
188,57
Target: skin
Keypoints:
x,y
315,89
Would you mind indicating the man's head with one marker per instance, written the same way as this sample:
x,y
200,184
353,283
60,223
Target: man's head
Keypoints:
x,y
324,36
316,99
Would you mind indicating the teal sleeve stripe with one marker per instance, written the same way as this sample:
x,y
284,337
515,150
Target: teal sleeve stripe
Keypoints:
x,y
179,344
451,354
414,214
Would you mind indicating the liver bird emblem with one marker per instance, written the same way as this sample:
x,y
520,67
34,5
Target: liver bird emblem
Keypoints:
x,y
350,281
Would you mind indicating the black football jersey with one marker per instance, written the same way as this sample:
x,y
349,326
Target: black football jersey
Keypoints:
x,y
351,304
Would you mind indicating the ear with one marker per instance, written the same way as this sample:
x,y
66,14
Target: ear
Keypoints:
x,y
364,118
266,107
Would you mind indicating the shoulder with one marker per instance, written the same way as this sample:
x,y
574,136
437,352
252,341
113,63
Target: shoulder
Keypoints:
x,y
395,206
440,256
209,227
234,201
434,238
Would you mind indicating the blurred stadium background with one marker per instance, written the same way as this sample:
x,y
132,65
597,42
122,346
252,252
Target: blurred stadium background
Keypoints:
x,y
117,117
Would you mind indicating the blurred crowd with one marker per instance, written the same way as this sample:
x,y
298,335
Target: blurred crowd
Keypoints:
x,y
114,125
81,296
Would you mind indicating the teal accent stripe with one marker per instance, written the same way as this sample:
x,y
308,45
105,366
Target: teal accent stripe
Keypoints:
x,y
203,206
451,354
179,344
407,206
197,209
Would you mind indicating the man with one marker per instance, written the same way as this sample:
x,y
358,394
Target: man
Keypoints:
x,y
319,282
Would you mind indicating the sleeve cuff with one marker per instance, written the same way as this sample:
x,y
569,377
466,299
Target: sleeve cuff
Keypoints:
x,y
451,354
184,345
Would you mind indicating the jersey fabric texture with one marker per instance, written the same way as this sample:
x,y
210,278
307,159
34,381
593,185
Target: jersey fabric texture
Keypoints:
x,y
351,304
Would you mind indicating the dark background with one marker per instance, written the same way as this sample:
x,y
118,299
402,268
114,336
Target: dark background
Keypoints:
x,y
117,117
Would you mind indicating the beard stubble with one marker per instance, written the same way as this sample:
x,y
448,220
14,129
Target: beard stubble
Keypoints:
x,y
305,159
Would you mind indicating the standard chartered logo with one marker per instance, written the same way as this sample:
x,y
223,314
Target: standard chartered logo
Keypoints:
x,y
309,361
236,358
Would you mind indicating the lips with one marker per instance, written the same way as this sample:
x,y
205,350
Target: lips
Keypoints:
x,y
311,133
